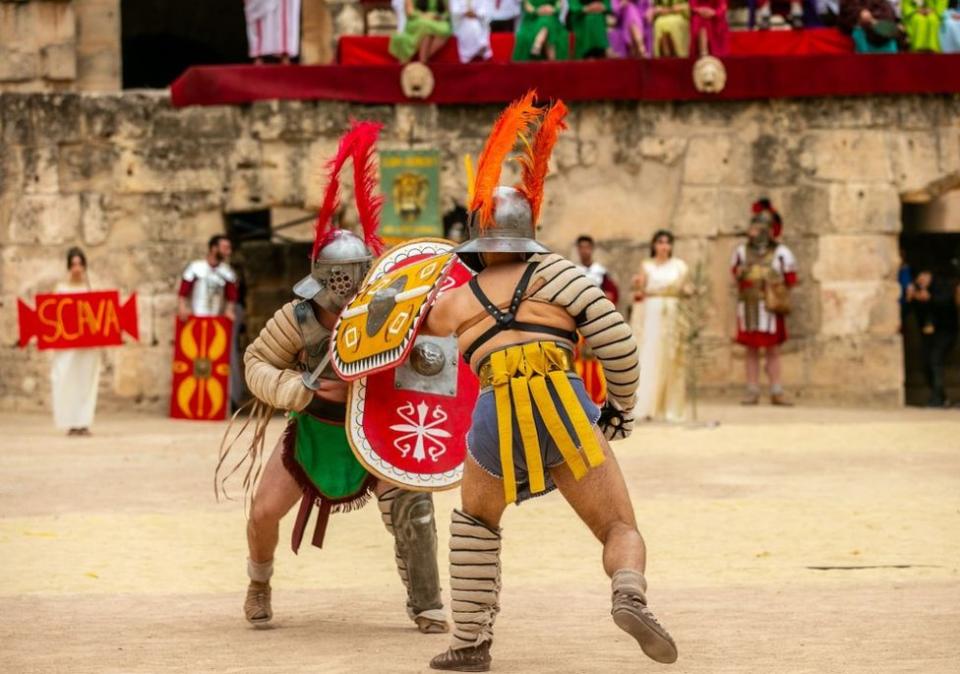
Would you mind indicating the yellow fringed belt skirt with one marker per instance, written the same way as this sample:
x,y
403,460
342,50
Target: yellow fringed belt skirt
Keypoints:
x,y
533,414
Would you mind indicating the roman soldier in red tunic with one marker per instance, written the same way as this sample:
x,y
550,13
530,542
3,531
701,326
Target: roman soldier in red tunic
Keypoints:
x,y
764,270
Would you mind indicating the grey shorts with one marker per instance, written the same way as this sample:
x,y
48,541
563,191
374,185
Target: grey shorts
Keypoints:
x,y
484,445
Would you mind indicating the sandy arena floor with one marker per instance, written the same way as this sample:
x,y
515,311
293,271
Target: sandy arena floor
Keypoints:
x,y
803,541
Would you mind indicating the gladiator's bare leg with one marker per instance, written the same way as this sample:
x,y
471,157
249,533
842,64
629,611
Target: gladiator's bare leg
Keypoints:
x,y
773,367
753,376
276,494
602,501
481,494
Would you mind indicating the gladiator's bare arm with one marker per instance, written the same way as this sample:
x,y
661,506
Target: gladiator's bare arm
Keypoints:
x,y
271,363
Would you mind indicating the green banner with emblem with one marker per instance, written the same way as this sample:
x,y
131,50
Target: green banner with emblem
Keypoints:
x,y
410,183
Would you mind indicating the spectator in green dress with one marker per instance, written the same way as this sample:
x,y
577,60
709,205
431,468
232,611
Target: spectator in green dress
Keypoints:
x,y
588,20
541,34
423,27
922,21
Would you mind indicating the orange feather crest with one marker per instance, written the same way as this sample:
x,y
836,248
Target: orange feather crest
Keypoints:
x,y
536,158
514,122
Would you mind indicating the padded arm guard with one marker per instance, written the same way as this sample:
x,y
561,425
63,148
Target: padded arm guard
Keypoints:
x,y
597,319
271,363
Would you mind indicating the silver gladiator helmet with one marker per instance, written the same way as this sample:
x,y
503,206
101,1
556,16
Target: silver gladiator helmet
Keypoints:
x,y
512,230
337,271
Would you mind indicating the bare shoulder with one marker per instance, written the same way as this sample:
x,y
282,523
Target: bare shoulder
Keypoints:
x,y
444,313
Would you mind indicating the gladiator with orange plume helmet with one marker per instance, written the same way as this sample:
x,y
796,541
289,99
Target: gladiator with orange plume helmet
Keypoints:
x,y
340,259
504,219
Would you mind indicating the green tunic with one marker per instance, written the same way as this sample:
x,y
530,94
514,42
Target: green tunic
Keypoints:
x,y
532,23
324,455
923,30
420,24
589,30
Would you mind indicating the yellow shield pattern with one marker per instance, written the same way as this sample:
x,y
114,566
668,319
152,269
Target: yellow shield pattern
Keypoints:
x,y
378,327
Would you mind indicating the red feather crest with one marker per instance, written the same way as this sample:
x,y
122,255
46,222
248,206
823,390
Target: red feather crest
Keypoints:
x,y
358,144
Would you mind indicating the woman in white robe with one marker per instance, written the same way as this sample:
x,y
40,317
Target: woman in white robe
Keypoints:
x,y
658,288
471,26
75,373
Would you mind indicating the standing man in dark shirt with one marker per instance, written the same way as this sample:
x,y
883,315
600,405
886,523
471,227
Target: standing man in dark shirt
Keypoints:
x,y
934,303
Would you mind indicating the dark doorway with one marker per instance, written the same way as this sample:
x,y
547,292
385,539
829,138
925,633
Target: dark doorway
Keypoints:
x,y
938,253
162,38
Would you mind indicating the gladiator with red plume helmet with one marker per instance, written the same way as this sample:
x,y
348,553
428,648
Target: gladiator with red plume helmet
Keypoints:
x,y
340,259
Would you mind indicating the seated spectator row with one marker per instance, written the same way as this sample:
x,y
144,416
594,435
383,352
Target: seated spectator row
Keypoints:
x,y
657,28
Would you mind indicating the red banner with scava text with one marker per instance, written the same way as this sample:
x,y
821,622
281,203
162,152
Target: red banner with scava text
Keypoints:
x,y
83,320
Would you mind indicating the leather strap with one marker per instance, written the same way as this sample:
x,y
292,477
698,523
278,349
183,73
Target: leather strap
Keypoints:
x,y
507,320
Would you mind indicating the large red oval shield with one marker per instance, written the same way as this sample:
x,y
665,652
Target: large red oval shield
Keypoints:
x,y
408,424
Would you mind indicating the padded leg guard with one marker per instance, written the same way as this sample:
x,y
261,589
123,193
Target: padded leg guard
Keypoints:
x,y
474,580
409,517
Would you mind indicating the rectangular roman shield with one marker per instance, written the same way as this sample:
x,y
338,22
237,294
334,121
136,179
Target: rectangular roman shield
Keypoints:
x,y
201,368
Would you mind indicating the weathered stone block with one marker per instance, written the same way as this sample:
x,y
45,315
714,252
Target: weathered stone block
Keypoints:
x,y
864,363
176,166
708,211
776,160
45,219
59,61
282,173
916,160
19,66
859,307
606,200
27,270
39,166
716,160
87,167
202,122
667,150
856,258
843,155
93,222
870,207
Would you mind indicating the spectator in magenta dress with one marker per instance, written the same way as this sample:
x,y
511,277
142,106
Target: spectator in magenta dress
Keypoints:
x,y
709,31
632,35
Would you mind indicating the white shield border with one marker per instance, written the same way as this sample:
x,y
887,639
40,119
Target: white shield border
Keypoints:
x,y
356,405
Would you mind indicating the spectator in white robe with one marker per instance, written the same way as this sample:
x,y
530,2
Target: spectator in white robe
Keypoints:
x,y
273,29
471,26
504,15
74,373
